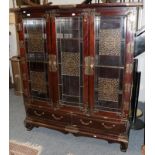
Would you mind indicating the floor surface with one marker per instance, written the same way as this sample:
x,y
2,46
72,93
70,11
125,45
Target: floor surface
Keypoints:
x,y
57,143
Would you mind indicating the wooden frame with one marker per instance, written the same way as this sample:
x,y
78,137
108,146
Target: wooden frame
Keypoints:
x,y
21,3
111,126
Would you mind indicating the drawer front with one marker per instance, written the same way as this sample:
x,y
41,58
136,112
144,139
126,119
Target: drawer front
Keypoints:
x,y
85,123
49,116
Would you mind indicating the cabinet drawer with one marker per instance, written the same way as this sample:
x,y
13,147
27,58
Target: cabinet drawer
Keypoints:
x,y
50,116
113,127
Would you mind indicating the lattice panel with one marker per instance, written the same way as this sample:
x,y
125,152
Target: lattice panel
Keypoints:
x,y
38,81
35,38
70,63
108,89
110,42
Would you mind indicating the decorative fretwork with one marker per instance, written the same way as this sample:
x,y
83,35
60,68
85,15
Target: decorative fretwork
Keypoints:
x,y
110,42
38,81
70,63
35,43
35,37
108,89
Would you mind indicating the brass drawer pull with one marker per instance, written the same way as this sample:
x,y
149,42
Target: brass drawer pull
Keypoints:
x,y
38,114
57,118
85,123
108,127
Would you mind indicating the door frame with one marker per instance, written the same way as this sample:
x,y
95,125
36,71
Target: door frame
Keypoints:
x,y
127,75
70,13
24,66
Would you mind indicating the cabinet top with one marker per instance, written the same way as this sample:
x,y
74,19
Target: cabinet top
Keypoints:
x,y
77,6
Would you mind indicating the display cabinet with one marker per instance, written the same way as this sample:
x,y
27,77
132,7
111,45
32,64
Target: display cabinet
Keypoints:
x,y
77,65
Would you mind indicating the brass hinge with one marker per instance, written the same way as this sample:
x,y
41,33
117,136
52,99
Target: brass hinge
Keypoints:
x,y
52,63
129,68
130,47
21,44
19,27
44,36
89,65
127,87
86,109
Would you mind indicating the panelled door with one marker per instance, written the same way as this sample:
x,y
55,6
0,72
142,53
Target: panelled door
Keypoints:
x,y
71,49
35,30
110,82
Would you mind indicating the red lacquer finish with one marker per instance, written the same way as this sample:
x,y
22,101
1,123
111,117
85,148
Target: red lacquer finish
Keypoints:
x,y
112,126
54,75
22,48
49,51
92,54
128,77
85,54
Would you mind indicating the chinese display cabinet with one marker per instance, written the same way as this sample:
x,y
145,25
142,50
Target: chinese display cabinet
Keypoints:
x,y
76,65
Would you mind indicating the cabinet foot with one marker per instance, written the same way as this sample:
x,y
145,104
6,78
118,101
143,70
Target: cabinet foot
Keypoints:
x,y
123,147
64,132
29,126
76,135
110,141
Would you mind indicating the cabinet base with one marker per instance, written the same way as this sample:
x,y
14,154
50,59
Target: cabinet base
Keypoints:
x,y
111,138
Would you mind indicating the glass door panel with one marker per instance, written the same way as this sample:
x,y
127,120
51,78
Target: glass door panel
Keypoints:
x,y
69,53
109,62
37,57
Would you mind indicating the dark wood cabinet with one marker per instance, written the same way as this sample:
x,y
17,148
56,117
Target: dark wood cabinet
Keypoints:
x,y
77,68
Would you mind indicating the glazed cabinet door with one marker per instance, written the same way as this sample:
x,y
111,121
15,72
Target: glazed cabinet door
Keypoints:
x,y
109,62
35,54
71,42
111,82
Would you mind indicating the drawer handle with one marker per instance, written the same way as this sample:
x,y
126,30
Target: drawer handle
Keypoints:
x,y
108,127
57,118
38,114
85,123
